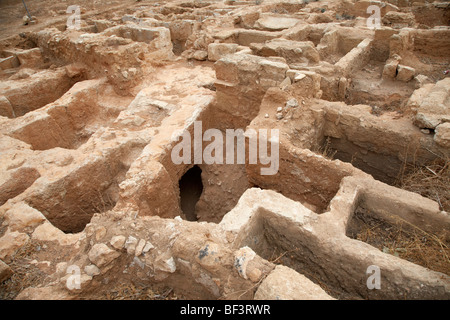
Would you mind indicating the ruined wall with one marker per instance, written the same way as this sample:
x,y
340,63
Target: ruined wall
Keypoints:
x,y
91,121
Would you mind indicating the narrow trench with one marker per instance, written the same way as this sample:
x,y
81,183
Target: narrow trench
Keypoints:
x,y
385,168
70,203
273,241
300,255
38,90
191,188
400,238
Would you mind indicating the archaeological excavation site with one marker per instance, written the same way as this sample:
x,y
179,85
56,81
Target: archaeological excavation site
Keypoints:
x,y
224,150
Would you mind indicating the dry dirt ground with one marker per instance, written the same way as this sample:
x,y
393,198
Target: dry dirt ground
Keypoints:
x,y
94,206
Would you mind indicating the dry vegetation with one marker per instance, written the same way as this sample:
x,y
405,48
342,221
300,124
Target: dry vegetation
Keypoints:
x,y
325,149
131,291
403,240
431,181
25,274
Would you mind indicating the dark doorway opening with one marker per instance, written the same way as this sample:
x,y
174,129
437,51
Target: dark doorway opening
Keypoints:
x,y
191,188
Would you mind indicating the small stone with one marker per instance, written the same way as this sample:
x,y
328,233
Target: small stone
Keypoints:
x,y
139,248
101,255
285,83
92,270
26,19
390,69
61,267
241,259
5,271
11,242
266,115
442,135
425,131
299,76
165,263
292,103
132,71
254,275
200,55
74,70
279,116
405,73
118,242
421,80
148,246
130,245
279,109
100,232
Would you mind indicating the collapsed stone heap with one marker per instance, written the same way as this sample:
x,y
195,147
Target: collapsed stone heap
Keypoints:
x,y
89,118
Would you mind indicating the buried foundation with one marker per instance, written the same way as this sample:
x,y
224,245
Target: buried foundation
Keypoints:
x,y
41,87
82,187
401,239
354,135
88,180
69,121
334,262
34,81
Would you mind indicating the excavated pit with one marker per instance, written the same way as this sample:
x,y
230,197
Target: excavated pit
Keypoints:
x,y
400,239
368,88
402,231
302,177
35,91
69,121
33,80
386,168
355,135
90,118
334,265
300,253
70,202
